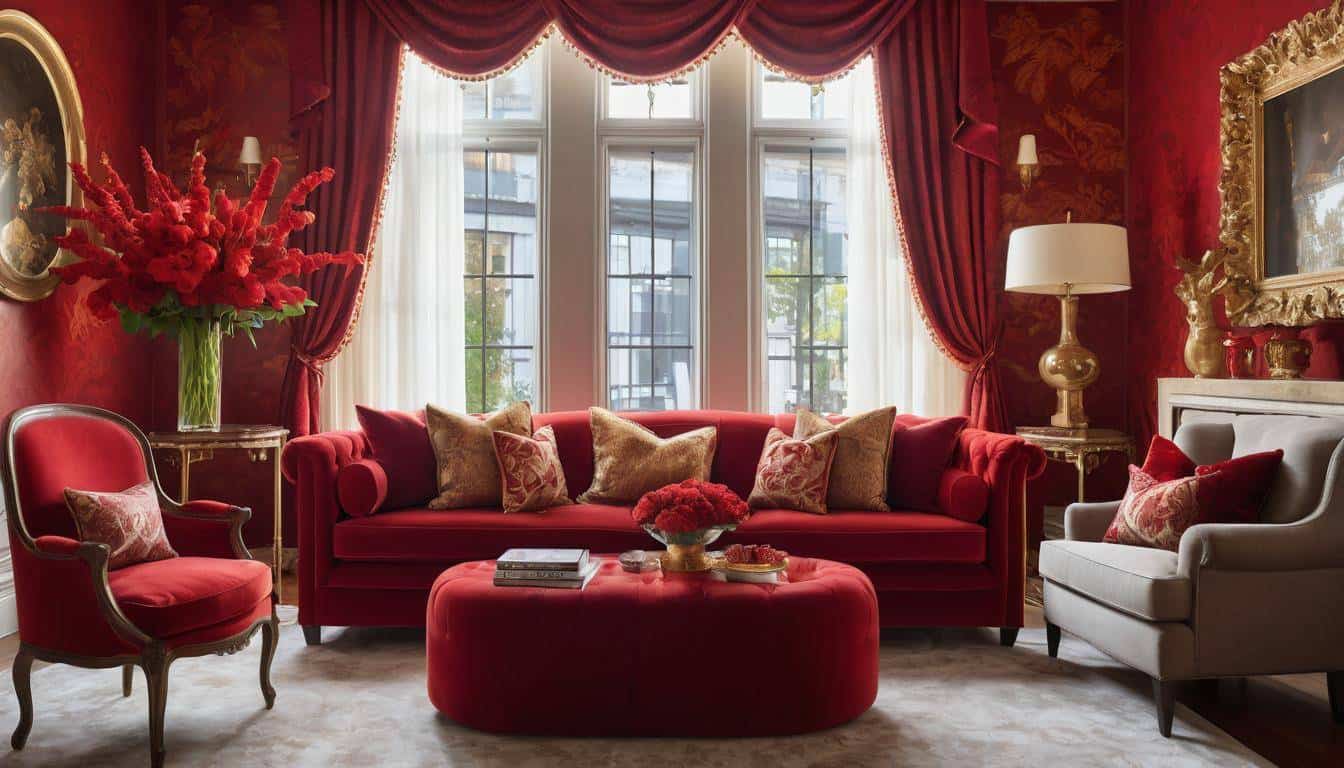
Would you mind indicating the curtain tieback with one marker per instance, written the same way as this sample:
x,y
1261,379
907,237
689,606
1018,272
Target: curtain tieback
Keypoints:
x,y
313,364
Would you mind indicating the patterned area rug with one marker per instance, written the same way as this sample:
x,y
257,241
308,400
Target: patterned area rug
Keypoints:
x,y
947,697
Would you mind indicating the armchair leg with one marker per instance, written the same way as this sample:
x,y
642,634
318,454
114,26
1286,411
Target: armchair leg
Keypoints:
x,y
1052,639
127,674
1164,696
270,636
312,634
156,680
1334,685
23,669
1008,636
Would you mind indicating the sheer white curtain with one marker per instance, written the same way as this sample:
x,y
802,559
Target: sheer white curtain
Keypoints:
x,y
409,346
892,358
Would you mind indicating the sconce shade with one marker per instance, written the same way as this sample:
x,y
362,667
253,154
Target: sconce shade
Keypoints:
x,y
1026,150
1087,258
251,154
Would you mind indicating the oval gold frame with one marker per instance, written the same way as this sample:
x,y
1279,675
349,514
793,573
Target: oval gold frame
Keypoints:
x,y
27,31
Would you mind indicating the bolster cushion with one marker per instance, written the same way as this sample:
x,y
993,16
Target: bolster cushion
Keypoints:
x,y
962,495
361,487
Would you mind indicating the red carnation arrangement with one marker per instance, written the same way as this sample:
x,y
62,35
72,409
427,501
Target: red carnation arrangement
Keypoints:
x,y
182,259
690,505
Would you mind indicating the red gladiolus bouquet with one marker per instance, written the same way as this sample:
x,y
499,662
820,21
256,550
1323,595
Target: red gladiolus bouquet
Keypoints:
x,y
690,505
182,260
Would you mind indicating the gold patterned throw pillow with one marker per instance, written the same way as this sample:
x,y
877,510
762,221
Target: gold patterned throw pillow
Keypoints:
x,y
629,460
859,474
793,474
465,453
529,467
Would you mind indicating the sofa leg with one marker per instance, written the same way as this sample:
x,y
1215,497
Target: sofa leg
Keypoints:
x,y
1008,636
1334,685
312,634
1052,639
23,670
1164,696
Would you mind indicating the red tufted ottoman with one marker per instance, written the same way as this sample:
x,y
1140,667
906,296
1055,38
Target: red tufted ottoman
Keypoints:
x,y
648,655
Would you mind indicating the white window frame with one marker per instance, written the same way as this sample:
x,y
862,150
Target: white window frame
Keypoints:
x,y
526,135
801,133
639,134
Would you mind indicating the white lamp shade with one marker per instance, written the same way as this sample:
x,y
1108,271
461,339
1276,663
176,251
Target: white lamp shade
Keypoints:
x,y
1088,258
251,154
1026,150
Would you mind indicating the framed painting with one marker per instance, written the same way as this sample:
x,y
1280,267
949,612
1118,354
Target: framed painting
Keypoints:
x,y
41,133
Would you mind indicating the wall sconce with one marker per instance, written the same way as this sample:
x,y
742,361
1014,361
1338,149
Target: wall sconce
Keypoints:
x,y
250,159
1028,164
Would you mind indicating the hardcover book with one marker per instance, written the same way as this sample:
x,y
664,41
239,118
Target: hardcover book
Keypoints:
x,y
577,580
573,560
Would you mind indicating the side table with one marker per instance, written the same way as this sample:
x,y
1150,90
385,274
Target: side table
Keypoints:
x,y
1083,448
258,440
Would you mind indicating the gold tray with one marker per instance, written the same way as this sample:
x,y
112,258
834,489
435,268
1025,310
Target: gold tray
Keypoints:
x,y
721,563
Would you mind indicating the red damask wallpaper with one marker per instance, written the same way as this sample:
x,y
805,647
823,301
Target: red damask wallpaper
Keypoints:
x,y
54,349
1060,75
1173,151
225,75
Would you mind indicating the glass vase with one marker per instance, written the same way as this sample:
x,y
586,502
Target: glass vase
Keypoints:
x,y
198,375
686,551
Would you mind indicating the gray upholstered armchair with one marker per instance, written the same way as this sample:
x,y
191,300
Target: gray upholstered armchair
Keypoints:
x,y
1236,600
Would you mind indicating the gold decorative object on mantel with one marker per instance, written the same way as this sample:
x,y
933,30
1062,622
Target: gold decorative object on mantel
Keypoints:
x,y
1281,228
1287,358
1204,354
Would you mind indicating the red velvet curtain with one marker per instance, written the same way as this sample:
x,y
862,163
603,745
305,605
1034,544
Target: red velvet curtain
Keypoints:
x,y
938,115
932,58
350,129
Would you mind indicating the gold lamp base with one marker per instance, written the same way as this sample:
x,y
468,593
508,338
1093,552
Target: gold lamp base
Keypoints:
x,y
1069,367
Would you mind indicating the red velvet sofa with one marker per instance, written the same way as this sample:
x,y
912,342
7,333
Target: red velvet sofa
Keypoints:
x,y
961,564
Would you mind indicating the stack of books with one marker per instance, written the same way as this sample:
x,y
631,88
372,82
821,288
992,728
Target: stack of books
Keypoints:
x,y
554,568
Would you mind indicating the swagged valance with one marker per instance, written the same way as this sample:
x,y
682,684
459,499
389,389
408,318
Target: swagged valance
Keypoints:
x,y
937,105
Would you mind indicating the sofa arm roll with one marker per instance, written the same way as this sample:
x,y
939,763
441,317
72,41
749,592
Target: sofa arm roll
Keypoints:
x,y
361,487
962,495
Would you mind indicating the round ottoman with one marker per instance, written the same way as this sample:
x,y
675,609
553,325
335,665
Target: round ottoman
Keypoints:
x,y
653,655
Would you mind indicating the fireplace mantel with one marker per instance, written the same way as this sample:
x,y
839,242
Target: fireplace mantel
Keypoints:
x,y
1296,396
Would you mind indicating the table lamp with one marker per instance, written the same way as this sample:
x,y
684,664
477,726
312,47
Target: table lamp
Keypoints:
x,y
250,158
1066,260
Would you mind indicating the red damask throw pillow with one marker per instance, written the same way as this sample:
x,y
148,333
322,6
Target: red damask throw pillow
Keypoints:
x,y
1155,513
129,522
794,474
401,445
531,476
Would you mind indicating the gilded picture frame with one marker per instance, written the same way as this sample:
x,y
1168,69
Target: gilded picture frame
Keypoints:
x,y
41,133
1301,64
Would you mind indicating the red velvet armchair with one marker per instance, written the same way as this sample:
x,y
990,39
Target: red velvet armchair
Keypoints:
x,y
210,600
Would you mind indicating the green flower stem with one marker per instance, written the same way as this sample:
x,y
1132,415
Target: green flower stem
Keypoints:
x,y
198,376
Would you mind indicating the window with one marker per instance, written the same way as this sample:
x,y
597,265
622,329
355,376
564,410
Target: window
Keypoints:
x,y
650,291
500,276
501,165
515,95
803,240
671,100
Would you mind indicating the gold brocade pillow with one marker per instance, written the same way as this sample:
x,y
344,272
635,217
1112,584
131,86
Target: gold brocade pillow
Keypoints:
x,y
465,453
859,474
629,460
792,474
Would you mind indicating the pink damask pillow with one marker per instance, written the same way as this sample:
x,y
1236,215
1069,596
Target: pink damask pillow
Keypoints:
x,y
531,477
1154,513
129,522
794,474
